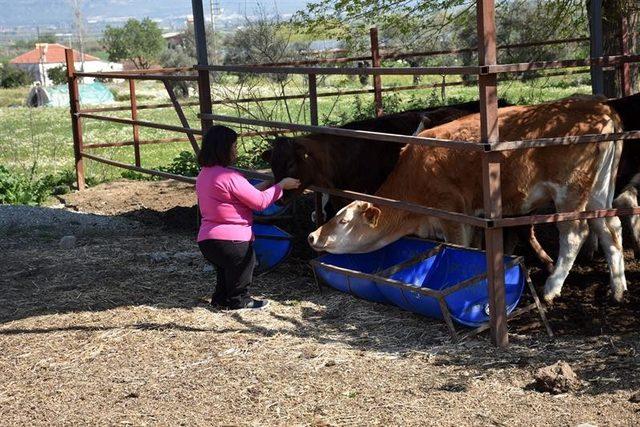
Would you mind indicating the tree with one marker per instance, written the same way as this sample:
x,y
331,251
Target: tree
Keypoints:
x,y
262,40
58,75
176,58
140,42
12,76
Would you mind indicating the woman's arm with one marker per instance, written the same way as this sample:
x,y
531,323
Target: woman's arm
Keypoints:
x,y
264,185
251,196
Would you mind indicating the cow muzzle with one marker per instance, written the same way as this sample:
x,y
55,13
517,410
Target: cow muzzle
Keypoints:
x,y
316,242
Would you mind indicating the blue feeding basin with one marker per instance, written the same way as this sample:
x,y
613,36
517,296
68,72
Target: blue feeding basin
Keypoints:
x,y
272,246
273,210
444,269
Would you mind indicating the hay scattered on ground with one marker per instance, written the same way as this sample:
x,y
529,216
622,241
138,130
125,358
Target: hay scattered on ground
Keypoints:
x,y
102,334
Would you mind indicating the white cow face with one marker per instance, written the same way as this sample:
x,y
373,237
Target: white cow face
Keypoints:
x,y
354,229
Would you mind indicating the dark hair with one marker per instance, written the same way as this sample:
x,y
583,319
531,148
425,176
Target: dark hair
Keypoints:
x,y
218,147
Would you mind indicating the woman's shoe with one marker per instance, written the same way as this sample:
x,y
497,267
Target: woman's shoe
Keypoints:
x,y
250,304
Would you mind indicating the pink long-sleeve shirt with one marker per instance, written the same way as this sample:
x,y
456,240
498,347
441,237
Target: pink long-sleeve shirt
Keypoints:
x,y
227,201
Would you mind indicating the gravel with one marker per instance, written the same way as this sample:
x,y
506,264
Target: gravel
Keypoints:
x,y
18,219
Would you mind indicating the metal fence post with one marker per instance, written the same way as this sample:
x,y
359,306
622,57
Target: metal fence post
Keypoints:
x,y
204,82
76,122
487,83
313,116
375,62
597,49
134,116
625,69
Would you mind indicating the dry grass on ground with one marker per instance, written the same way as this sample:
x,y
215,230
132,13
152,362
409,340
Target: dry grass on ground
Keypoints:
x,y
102,334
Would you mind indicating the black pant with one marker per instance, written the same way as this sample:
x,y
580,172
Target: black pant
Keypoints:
x,y
234,262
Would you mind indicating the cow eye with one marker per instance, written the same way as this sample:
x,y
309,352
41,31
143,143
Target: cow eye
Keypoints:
x,y
343,221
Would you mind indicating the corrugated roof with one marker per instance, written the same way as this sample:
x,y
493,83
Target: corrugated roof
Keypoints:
x,y
49,53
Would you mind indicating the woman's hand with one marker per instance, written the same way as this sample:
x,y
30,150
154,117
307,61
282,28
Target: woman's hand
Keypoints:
x,y
289,184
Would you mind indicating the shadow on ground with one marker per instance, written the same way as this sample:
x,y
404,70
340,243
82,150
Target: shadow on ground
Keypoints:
x,y
113,269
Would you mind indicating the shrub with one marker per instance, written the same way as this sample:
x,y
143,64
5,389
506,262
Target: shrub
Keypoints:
x,y
12,76
58,75
22,190
184,164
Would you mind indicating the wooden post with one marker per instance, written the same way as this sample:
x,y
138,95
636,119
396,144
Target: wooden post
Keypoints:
x,y
626,84
313,116
134,116
487,55
375,62
76,122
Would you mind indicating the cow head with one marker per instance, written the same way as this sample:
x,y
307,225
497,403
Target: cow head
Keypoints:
x,y
289,158
357,228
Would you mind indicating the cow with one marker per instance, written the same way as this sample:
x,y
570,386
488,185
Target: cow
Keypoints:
x,y
572,177
627,183
351,163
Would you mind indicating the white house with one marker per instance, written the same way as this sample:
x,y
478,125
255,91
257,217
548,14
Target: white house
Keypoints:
x,y
46,56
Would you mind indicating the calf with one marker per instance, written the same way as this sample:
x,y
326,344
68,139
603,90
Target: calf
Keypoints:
x,y
572,177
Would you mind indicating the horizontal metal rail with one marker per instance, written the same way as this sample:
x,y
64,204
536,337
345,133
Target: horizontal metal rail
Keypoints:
x,y
383,280
560,217
383,201
406,206
563,140
154,172
376,136
604,61
319,95
129,143
131,76
408,71
395,55
474,49
139,107
376,71
140,123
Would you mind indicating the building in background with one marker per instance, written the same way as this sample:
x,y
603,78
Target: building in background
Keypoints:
x,y
45,56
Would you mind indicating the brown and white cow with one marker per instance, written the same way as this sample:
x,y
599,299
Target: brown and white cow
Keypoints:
x,y
573,178
353,163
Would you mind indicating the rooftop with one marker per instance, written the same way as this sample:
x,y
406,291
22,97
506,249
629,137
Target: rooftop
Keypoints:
x,y
49,53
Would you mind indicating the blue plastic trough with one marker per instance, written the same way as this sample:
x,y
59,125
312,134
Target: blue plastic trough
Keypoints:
x,y
273,210
272,246
438,269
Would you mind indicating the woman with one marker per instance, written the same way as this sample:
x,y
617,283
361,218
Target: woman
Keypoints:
x,y
227,201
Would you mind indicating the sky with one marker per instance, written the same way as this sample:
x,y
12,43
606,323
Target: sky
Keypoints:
x,y
58,12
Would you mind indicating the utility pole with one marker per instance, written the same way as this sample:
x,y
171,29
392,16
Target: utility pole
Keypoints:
x,y
214,5
77,18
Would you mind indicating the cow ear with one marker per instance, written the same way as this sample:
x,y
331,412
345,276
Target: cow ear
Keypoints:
x,y
266,155
372,215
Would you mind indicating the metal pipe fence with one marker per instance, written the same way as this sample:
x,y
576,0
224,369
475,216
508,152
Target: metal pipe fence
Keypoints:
x,y
489,147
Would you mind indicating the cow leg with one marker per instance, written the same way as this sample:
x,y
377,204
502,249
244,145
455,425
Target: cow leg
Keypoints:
x,y
572,236
609,231
325,216
629,199
591,246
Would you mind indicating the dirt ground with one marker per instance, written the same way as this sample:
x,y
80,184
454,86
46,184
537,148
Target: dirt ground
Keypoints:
x,y
110,333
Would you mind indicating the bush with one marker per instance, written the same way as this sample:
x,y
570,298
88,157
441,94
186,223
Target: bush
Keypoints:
x,y
58,75
135,176
22,189
184,164
12,76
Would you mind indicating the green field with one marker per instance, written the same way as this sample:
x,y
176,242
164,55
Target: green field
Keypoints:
x,y
39,142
